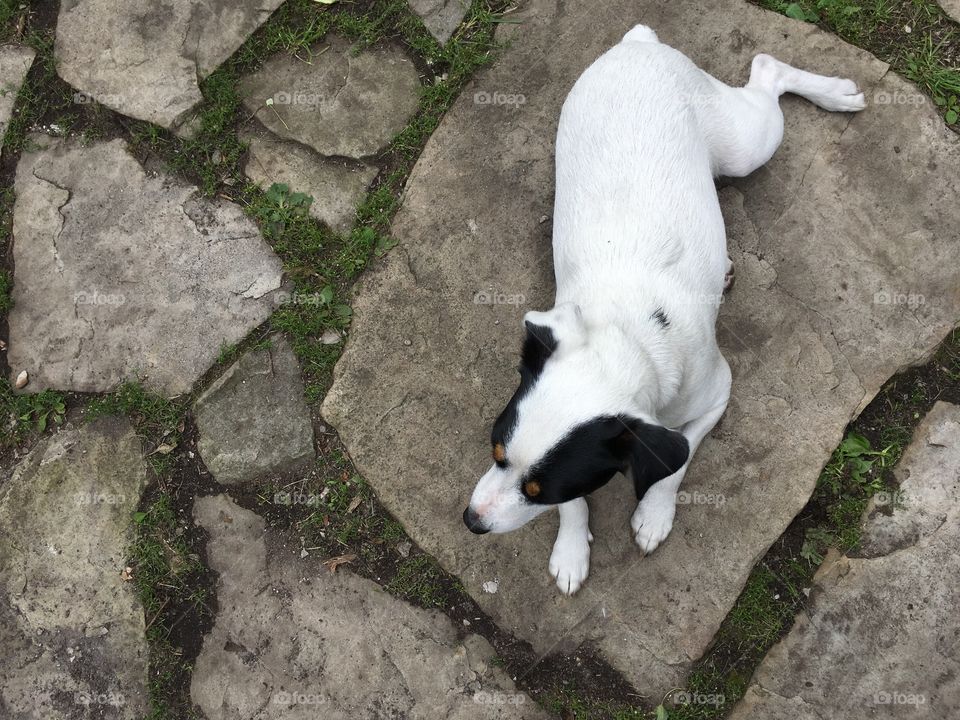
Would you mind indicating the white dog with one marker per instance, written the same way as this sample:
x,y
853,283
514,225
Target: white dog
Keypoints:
x,y
624,373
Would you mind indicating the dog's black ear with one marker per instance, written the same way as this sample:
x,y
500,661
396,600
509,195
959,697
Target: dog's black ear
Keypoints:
x,y
538,346
653,452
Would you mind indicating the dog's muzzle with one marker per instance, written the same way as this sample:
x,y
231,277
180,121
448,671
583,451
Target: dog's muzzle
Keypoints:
x,y
473,522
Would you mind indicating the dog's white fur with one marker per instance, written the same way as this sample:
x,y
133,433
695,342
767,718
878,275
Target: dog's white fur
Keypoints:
x,y
637,226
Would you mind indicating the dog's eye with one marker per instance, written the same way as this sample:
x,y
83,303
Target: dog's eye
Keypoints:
x,y
500,454
531,488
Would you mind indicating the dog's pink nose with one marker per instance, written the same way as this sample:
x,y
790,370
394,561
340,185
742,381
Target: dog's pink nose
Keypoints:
x,y
473,522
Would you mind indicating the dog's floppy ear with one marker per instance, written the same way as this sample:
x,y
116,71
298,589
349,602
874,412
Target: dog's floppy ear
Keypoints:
x,y
654,452
555,330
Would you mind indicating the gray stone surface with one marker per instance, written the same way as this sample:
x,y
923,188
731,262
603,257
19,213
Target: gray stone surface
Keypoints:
x,y
145,59
254,419
850,208
336,185
952,8
71,631
121,274
294,641
881,637
441,17
15,61
339,103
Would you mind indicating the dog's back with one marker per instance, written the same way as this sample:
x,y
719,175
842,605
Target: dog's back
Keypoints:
x,y
635,200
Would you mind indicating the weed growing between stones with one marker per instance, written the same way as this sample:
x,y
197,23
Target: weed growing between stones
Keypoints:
x,y
915,36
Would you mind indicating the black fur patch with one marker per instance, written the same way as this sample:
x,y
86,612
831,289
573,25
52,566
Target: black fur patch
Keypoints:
x,y
538,345
661,317
592,453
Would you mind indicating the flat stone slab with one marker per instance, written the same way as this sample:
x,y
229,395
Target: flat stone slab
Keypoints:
x,y
441,17
295,641
145,59
254,419
951,8
339,103
15,62
881,636
120,274
844,246
336,185
72,639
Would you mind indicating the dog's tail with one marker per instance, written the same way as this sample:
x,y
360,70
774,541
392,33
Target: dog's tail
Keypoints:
x,y
641,33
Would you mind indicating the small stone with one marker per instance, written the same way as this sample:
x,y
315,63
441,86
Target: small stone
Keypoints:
x,y
254,420
340,103
543,219
404,548
491,586
22,379
407,342
330,337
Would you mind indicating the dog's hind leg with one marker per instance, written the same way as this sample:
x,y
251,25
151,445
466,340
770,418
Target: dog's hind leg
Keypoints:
x,y
744,126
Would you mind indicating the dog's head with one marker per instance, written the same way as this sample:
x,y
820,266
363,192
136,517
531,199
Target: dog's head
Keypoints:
x,y
570,427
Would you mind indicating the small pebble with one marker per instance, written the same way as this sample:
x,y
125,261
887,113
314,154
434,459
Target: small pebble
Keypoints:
x,y
407,342
22,379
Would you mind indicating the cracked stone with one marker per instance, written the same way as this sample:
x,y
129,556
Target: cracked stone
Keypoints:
x,y
15,62
339,103
71,630
120,274
145,59
292,640
336,185
889,620
834,218
441,17
254,419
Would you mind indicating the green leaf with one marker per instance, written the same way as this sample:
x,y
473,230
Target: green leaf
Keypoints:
x,y
326,295
796,11
951,116
343,311
854,444
139,517
662,713
384,243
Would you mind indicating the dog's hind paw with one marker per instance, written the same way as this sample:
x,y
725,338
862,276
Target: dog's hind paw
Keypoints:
x,y
651,524
570,563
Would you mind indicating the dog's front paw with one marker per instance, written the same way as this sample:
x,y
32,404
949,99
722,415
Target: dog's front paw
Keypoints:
x,y
651,523
570,562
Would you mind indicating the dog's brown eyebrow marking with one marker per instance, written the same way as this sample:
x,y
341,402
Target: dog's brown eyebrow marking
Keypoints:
x,y
499,453
532,487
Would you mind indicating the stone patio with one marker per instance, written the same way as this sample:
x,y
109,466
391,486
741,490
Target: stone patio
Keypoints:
x,y
880,636
824,246
845,253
